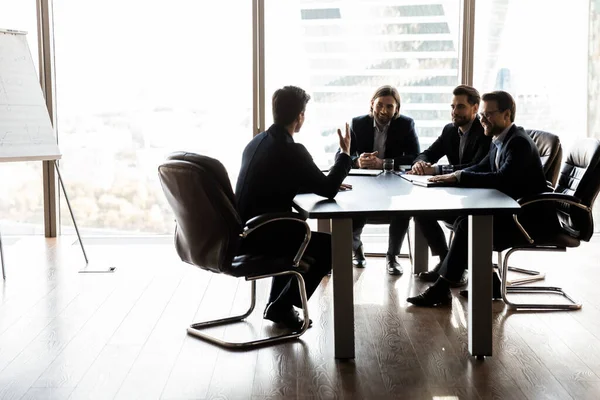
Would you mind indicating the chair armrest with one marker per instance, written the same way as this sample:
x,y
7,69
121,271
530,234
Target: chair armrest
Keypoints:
x,y
555,198
263,219
547,197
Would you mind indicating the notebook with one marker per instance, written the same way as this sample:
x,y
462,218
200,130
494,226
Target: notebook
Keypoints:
x,y
422,180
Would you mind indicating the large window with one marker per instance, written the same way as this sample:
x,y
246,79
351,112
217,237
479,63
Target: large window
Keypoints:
x,y
341,51
545,66
136,80
21,196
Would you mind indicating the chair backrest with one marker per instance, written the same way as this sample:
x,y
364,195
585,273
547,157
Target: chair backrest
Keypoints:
x,y
580,177
550,150
200,194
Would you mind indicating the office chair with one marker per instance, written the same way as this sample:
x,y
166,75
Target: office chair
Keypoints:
x,y
209,231
550,150
2,259
577,188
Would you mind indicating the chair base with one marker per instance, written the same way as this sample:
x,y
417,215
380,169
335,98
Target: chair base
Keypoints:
x,y
196,329
506,289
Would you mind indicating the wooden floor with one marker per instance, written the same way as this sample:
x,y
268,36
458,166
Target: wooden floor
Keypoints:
x,y
65,335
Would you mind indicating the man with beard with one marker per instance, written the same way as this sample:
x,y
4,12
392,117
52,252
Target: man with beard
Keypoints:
x,y
381,134
512,166
464,144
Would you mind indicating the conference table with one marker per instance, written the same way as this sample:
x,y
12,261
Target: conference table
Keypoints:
x,y
387,195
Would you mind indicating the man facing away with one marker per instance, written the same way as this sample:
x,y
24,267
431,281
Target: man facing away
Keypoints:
x,y
464,144
274,169
512,166
381,134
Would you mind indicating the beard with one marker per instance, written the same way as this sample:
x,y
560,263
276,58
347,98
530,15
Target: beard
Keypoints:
x,y
382,119
460,121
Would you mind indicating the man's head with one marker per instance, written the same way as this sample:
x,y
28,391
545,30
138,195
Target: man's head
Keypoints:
x,y
289,104
465,104
385,104
497,112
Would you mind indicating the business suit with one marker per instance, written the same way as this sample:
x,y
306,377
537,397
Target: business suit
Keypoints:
x,y
519,174
476,147
274,169
402,144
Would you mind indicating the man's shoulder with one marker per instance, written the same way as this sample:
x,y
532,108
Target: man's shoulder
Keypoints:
x,y
403,120
362,119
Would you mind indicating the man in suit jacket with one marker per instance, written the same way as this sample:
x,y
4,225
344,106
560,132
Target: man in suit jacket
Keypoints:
x,y
382,134
464,144
274,169
512,166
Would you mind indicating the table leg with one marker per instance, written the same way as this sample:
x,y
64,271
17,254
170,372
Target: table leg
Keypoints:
x,y
480,285
421,253
324,225
343,288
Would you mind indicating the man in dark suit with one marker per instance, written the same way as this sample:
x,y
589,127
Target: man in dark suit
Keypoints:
x,y
464,144
274,169
382,134
512,166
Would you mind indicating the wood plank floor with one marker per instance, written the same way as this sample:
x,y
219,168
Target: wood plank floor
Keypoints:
x,y
65,335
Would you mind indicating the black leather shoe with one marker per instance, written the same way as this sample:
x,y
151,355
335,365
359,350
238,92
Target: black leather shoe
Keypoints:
x,y
496,289
464,279
431,276
432,297
288,318
358,258
393,266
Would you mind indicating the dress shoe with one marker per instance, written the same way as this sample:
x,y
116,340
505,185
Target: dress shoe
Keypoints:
x,y
289,318
359,259
433,275
432,297
496,289
393,266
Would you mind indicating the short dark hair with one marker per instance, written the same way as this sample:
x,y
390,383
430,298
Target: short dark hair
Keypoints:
x,y
504,100
387,90
288,103
472,94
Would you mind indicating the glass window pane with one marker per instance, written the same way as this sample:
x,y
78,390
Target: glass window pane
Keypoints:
x,y
341,51
21,197
137,80
545,66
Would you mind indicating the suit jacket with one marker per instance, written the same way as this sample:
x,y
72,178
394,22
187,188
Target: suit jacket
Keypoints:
x,y
275,168
520,174
477,146
402,143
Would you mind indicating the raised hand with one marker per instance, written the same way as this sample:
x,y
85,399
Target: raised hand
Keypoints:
x,y
344,140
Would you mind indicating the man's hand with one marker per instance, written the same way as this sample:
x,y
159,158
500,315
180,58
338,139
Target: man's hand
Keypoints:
x,y
345,186
422,168
370,161
448,178
344,140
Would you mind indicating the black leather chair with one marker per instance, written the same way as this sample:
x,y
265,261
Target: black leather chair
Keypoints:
x,y
550,150
209,231
574,196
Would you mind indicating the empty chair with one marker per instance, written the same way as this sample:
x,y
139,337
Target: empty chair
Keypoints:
x,y
209,231
574,196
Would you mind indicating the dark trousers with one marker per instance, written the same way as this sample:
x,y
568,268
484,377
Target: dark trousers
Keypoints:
x,y
284,289
284,239
456,261
434,234
398,229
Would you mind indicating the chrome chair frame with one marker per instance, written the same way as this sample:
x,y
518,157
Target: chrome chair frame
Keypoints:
x,y
195,329
2,259
506,289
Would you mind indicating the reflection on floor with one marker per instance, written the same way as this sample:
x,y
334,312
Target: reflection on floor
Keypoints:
x,y
122,335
